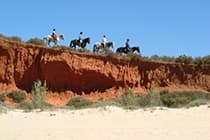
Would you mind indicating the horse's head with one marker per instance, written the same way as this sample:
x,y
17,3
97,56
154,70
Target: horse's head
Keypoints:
x,y
136,49
61,36
112,44
88,40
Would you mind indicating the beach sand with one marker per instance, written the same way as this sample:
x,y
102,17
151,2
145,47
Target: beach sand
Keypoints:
x,y
107,123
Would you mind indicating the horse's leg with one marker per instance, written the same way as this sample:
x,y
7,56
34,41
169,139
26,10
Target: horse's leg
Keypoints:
x,y
71,43
48,43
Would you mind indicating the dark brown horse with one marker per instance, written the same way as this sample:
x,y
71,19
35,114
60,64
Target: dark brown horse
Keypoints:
x,y
81,44
127,50
98,46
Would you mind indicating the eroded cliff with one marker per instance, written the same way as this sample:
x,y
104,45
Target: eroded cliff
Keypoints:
x,y
63,70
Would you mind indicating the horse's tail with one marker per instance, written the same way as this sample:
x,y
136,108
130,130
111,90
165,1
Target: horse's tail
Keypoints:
x,y
70,44
118,50
112,44
94,48
88,40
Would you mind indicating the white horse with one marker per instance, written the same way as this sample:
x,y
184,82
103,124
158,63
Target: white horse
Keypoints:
x,y
98,46
48,39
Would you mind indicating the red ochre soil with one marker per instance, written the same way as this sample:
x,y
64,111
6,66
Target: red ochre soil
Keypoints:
x,y
97,77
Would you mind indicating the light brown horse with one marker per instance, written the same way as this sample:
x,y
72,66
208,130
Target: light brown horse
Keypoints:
x,y
48,39
99,46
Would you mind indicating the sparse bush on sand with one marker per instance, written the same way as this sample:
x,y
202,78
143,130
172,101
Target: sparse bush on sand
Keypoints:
x,y
127,100
38,97
3,108
164,98
17,96
38,94
79,103
2,97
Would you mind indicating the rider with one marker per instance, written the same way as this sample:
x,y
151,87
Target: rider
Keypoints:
x,y
104,40
54,35
80,37
127,45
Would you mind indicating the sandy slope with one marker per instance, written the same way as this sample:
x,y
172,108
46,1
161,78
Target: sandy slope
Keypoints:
x,y
107,123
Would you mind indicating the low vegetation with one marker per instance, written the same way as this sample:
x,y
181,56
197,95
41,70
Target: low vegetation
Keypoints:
x,y
17,96
128,100
183,59
2,97
36,41
38,98
79,102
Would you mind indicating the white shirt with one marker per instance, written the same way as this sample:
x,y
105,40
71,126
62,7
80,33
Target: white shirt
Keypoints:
x,y
104,40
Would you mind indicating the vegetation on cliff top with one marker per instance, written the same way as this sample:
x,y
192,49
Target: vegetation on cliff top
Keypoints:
x,y
183,59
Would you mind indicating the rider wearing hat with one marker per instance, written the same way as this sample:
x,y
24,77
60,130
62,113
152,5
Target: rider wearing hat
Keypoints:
x,y
104,40
54,36
80,37
127,45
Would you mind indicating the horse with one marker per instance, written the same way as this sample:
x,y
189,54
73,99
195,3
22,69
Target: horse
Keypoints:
x,y
121,50
98,46
133,49
127,50
82,44
48,39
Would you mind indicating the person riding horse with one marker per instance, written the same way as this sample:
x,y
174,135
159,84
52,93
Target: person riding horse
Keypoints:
x,y
104,40
54,35
80,37
127,45
127,48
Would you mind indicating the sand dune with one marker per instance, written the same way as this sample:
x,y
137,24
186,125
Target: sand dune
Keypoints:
x,y
107,123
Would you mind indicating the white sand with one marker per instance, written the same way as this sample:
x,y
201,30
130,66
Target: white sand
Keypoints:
x,y
110,123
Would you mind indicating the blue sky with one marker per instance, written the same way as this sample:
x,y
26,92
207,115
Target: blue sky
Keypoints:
x,y
162,27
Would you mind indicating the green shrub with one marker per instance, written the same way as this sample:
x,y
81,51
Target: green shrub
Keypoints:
x,y
15,38
197,102
28,106
17,96
172,100
184,59
110,53
151,99
79,102
206,60
3,108
127,100
2,97
38,94
155,98
143,101
183,99
3,36
134,57
36,41
162,58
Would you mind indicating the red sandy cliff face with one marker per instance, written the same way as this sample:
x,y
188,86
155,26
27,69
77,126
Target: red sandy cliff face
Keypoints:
x,y
22,64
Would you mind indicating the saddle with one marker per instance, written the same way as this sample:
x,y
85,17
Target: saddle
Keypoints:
x,y
80,41
54,37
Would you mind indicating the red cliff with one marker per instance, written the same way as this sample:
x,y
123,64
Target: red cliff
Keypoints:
x,y
63,70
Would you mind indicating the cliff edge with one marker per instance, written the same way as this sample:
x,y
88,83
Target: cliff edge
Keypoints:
x,y
21,64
